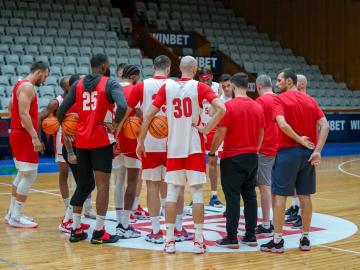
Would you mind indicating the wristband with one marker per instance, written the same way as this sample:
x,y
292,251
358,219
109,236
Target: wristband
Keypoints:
x,y
211,155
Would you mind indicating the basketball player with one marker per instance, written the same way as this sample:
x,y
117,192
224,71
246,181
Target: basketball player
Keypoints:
x,y
242,130
225,85
267,153
126,162
94,97
299,118
24,142
206,77
154,160
185,146
119,71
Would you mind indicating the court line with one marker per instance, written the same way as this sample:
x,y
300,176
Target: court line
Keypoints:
x,y
345,172
14,264
340,249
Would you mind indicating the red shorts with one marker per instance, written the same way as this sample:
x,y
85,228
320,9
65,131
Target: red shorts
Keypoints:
x,y
191,169
22,150
153,166
209,139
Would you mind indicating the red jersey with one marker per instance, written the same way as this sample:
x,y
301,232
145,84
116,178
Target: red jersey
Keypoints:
x,y
93,108
15,115
271,133
301,112
244,119
127,146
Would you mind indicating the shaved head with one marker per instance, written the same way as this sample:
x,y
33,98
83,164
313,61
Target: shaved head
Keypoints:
x,y
188,66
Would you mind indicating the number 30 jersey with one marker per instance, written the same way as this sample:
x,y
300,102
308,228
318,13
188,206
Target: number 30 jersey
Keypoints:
x,y
183,99
93,109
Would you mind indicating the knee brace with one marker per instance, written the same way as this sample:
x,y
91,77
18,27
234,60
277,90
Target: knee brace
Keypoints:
x,y
27,179
17,179
173,193
197,194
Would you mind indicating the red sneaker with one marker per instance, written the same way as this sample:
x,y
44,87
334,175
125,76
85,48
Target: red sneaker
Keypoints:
x,y
183,235
141,214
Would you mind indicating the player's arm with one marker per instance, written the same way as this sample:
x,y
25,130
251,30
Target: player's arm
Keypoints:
x,y
115,94
323,127
288,130
219,111
68,101
50,109
26,96
70,150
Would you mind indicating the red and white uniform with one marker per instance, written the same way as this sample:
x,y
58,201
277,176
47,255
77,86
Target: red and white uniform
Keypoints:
x,y
90,131
154,163
58,141
22,148
205,117
186,149
127,156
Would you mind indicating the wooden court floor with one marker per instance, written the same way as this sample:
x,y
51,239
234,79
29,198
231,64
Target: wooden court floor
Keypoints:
x,y
45,248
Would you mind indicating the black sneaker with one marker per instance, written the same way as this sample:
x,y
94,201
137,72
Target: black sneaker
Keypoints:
x,y
272,247
228,243
305,244
77,235
298,224
292,210
249,240
292,219
262,231
102,237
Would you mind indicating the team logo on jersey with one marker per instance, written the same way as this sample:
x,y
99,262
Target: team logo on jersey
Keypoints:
x,y
324,229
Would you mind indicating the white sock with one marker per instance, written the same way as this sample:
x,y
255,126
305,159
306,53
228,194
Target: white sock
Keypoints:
x,y
135,203
305,234
178,222
277,237
87,204
170,232
295,202
76,221
66,202
17,210
198,233
163,202
118,215
213,193
125,218
266,224
100,220
155,223
12,203
299,213
68,213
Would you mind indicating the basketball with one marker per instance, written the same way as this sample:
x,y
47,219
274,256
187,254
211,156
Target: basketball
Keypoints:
x,y
69,125
159,127
131,127
50,125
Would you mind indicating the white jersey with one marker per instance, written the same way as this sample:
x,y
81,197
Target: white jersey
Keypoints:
x,y
205,117
183,110
58,142
225,98
151,87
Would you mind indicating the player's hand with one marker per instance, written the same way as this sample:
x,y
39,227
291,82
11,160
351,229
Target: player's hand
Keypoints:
x,y
108,127
140,149
305,141
38,146
212,161
315,158
72,158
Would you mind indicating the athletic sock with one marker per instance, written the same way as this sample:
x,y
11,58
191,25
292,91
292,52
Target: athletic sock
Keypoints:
x,y
17,210
163,202
213,193
12,203
305,234
66,202
170,232
135,203
198,233
99,222
266,224
68,213
87,204
155,223
125,218
119,213
76,221
277,237
178,222
295,202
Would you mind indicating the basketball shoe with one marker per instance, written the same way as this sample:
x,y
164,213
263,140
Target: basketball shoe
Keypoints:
x,y
199,248
228,243
297,224
8,215
22,222
215,202
292,210
89,213
183,235
170,247
272,247
77,235
304,244
141,214
249,240
156,238
130,232
66,227
102,237
262,231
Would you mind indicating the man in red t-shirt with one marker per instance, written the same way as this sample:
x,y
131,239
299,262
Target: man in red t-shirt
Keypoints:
x,y
267,152
299,118
242,130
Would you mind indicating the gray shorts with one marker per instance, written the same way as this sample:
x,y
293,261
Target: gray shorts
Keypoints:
x,y
265,166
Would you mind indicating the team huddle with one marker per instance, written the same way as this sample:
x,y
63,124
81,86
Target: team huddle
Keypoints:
x,y
178,122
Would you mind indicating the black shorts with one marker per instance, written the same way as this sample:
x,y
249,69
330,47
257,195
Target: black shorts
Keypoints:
x,y
97,159
292,171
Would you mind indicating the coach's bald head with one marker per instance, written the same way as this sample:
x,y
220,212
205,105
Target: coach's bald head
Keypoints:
x,y
188,67
301,83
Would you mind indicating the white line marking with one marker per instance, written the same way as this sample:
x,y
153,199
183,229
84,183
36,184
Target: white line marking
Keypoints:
x,y
35,190
345,172
340,249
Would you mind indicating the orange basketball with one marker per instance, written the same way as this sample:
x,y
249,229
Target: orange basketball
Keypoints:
x,y
159,127
69,125
50,125
131,127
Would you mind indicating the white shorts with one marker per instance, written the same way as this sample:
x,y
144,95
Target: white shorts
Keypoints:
x,y
154,174
59,158
125,161
25,166
180,177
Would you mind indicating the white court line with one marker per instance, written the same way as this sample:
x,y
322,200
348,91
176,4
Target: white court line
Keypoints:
x,y
340,249
345,172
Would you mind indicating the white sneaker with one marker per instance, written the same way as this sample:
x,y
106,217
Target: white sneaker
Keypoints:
x,y
199,248
130,232
170,247
187,211
89,213
7,217
22,223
